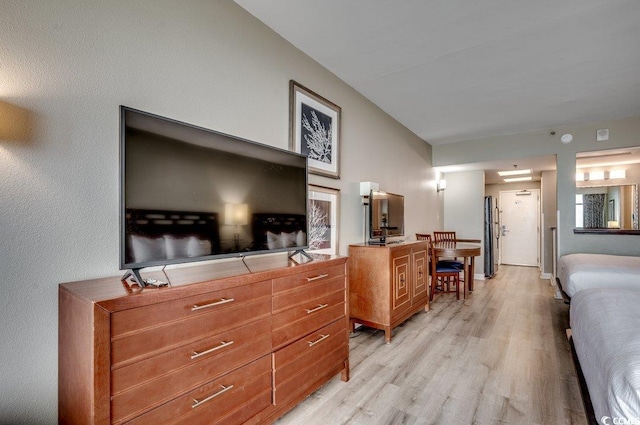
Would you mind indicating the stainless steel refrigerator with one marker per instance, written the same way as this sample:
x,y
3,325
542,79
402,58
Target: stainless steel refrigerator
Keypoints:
x,y
491,236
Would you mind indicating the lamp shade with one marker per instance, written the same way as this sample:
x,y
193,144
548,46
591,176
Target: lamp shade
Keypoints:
x,y
236,214
367,187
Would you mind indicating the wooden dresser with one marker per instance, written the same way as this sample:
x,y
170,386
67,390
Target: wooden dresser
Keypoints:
x,y
221,345
387,283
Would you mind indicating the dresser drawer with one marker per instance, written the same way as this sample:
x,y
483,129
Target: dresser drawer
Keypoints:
x,y
296,281
307,295
302,319
299,365
168,336
176,371
135,319
231,399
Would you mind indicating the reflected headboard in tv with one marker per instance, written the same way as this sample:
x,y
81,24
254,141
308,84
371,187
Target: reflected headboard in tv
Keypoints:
x,y
155,236
276,231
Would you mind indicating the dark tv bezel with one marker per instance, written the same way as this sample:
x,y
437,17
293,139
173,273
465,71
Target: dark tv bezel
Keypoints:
x,y
122,207
383,237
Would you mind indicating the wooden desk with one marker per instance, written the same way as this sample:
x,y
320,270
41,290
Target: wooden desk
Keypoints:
x,y
457,249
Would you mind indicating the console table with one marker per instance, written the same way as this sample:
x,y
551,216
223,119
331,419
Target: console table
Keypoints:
x,y
220,345
387,283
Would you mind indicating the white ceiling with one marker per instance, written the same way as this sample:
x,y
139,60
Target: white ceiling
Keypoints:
x,y
453,70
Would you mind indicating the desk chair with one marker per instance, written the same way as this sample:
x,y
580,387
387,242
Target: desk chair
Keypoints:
x,y
448,237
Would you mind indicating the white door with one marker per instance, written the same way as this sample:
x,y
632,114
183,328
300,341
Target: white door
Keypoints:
x,y
519,218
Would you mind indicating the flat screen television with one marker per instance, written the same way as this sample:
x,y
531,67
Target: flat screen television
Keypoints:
x,y
191,194
386,215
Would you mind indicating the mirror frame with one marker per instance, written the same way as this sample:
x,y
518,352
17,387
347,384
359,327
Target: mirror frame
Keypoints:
x,y
585,156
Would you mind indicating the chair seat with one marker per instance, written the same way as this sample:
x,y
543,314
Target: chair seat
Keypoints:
x,y
451,263
445,267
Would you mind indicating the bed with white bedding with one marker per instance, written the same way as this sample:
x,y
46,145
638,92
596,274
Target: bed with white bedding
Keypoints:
x,y
582,271
605,326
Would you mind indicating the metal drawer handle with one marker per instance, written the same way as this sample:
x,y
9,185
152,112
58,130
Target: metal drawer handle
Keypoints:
x,y
322,338
320,307
197,403
213,304
320,276
223,344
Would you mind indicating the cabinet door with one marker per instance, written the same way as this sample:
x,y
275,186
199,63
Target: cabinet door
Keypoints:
x,y
420,276
401,288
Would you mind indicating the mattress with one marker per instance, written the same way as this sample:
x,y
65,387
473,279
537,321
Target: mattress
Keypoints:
x,y
582,271
605,325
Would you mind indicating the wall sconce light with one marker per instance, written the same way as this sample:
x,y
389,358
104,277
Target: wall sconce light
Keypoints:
x,y
441,185
600,175
15,123
236,215
617,174
596,175
365,190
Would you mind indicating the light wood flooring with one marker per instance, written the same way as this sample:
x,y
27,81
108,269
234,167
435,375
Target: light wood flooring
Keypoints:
x,y
500,357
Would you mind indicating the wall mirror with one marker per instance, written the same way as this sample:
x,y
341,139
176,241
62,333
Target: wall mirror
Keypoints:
x,y
607,191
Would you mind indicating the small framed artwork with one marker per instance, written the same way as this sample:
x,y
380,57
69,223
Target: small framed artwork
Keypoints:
x,y
323,214
315,130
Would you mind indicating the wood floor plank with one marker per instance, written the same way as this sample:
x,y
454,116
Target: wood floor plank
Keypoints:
x,y
499,357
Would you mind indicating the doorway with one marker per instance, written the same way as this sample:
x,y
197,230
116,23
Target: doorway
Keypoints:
x,y
520,227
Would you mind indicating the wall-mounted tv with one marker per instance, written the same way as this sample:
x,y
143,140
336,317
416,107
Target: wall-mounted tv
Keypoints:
x,y
191,194
386,215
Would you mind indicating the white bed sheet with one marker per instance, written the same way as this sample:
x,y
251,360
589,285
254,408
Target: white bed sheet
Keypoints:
x,y
582,271
605,325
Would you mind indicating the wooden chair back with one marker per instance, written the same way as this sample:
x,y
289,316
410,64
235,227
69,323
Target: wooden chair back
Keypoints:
x,y
443,274
444,237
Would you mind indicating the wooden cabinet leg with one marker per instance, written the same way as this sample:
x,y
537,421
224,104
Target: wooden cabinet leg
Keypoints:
x,y
387,335
344,375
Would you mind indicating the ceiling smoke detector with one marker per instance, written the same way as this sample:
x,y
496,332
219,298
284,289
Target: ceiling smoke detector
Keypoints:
x,y
566,138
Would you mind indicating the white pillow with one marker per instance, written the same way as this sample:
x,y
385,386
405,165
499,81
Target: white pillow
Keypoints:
x,y
301,238
176,247
274,241
198,247
145,249
288,239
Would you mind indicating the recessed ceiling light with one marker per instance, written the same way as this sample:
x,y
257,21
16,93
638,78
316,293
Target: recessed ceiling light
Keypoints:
x,y
518,179
513,173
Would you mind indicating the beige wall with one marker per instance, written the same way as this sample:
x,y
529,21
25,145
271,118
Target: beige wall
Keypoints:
x,y
70,64
464,209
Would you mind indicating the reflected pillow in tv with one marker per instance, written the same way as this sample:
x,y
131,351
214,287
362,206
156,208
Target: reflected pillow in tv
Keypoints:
x,y
145,249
